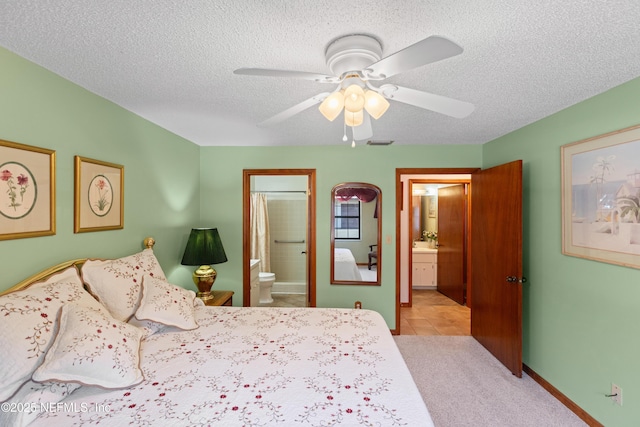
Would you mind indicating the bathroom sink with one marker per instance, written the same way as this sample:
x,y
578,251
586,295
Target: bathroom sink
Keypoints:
x,y
424,250
423,247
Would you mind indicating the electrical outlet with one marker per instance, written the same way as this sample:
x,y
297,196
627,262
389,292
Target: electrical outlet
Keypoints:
x,y
616,394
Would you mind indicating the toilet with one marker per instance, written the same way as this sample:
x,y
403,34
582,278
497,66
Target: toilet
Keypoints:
x,y
266,283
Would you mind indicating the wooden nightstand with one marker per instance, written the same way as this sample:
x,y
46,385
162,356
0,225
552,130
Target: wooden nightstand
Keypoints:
x,y
220,298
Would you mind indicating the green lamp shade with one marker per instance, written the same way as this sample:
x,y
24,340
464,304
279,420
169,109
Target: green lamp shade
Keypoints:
x,y
204,247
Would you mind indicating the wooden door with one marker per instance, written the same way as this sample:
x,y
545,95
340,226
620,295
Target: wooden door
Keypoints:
x,y
451,242
496,262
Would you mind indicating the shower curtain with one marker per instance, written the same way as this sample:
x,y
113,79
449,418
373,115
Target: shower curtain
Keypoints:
x,y
259,232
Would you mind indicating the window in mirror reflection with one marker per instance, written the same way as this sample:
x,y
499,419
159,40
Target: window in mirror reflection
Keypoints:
x,y
355,234
347,219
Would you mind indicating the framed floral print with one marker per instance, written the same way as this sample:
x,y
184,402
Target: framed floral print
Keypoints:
x,y
27,199
601,198
98,195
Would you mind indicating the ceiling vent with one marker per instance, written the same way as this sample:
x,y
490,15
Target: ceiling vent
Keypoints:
x,y
371,142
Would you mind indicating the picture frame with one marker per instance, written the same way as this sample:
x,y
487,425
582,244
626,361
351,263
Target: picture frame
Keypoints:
x,y
28,196
601,198
432,207
98,195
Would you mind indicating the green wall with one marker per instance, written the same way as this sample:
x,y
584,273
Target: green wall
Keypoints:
x,y
162,194
581,317
221,186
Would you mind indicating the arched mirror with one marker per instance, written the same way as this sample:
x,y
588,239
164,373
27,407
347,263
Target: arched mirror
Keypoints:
x,y
356,215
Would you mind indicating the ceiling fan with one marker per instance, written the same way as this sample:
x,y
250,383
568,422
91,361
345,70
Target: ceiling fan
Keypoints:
x,y
355,61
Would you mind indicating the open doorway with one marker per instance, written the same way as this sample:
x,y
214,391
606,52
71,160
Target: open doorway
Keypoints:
x,y
433,217
279,237
495,257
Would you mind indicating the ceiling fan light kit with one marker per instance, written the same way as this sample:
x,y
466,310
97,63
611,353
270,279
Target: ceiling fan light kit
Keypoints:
x,y
375,104
354,99
353,118
355,61
332,106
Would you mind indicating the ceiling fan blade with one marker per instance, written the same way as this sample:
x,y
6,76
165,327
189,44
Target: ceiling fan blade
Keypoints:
x,y
268,72
364,131
292,111
429,101
431,49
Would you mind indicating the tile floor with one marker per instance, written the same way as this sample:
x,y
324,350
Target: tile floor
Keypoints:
x,y
434,314
287,300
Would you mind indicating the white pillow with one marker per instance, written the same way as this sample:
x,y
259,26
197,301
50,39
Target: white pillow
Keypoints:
x,y
117,282
148,327
28,323
167,304
92,347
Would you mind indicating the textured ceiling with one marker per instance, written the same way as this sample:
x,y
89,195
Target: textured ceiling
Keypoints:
x,y
172,61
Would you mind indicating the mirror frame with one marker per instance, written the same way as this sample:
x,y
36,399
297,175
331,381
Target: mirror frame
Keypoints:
x,y
378,206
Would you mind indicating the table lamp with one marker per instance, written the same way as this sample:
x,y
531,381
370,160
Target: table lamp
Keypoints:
x,y
204,248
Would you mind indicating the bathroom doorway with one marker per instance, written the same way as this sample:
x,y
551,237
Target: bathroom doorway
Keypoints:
x,y
287,241
438,224
432,257
494,264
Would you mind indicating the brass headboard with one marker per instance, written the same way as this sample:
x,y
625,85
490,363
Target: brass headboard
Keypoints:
x,y
45,274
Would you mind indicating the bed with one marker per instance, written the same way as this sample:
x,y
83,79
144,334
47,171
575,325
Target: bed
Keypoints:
x,y
345,267
110,342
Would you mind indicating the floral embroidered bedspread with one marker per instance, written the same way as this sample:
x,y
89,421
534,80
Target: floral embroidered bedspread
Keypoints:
x,y
260,367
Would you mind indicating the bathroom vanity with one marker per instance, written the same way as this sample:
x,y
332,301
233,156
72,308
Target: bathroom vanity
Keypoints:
x,y
424,263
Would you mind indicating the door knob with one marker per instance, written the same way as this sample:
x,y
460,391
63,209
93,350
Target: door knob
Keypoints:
x,y
514,279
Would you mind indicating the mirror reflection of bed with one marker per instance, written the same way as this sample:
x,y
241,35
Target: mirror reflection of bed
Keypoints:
x,y
355,233
345,267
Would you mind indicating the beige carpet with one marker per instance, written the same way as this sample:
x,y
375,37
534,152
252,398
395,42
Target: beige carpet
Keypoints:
x,y
464,385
